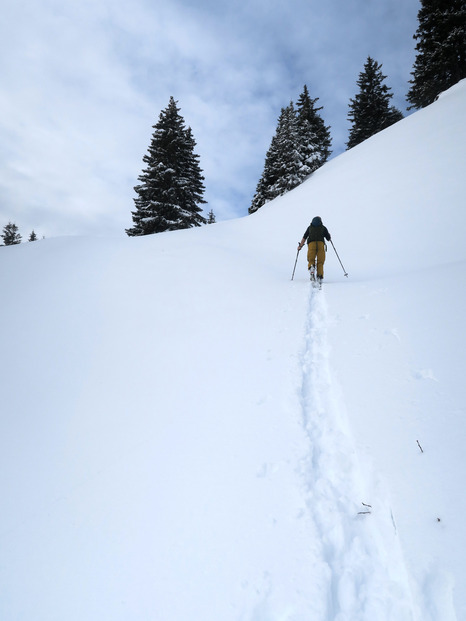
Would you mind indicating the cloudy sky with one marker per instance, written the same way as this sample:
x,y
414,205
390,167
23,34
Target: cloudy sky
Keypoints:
x,y
84,81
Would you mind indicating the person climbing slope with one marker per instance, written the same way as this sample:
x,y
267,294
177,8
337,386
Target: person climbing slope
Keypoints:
x,y
315,236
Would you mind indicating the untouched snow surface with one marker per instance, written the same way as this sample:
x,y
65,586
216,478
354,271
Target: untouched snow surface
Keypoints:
x,y
186,433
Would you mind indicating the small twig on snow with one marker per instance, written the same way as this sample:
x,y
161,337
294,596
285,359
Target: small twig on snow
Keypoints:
x,y
420,447
365,512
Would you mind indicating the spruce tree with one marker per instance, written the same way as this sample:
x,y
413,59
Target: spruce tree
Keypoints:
x,y
441,50
283,168
269,175
32,236
11,234
289,165
301,144
314,135
171,187
370,110
211,217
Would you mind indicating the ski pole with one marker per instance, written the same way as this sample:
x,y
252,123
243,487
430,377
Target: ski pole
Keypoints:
x,y
344,271
292,275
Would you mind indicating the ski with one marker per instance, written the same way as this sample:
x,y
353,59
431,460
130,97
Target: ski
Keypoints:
x,y
315,281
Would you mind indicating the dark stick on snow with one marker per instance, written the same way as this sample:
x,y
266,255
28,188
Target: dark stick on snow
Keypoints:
x,y
420,447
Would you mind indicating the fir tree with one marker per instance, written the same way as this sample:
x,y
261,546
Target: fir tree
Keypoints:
x,y
441,50
289,165
301,144
284,168
314,135
269,174
32,236
211,217
370,110
11,234
171,187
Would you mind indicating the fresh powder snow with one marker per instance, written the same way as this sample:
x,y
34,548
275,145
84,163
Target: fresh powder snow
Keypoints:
x,y
188,434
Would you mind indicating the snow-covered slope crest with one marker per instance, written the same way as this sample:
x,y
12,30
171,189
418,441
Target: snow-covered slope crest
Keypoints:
x,y
186,433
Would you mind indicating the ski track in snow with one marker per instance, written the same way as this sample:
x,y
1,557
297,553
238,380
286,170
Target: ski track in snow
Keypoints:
x,y
366,577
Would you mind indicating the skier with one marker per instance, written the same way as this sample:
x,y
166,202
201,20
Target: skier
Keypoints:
x,y
315,235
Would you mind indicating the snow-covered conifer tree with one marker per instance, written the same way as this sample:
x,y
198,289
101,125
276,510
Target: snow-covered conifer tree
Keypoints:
x,y
269,175
441,50
11,234
315,140
370,110
171,187
301,144
284,168
290,167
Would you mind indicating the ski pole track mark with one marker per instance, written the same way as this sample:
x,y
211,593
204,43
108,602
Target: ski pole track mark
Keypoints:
x,y
366,576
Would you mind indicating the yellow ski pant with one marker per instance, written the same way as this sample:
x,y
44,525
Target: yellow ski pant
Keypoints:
x,y
316,250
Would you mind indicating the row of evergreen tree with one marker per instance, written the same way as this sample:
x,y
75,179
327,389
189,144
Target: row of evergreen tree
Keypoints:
x,y
11,235
171,189
302,140
170,194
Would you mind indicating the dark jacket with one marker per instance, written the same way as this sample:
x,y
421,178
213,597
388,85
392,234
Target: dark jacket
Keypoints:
x,y
316,231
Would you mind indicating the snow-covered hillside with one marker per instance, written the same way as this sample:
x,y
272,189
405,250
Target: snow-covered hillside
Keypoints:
x,y
187,434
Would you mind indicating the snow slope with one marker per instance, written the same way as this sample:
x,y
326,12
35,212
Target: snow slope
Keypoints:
x,y
186,433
